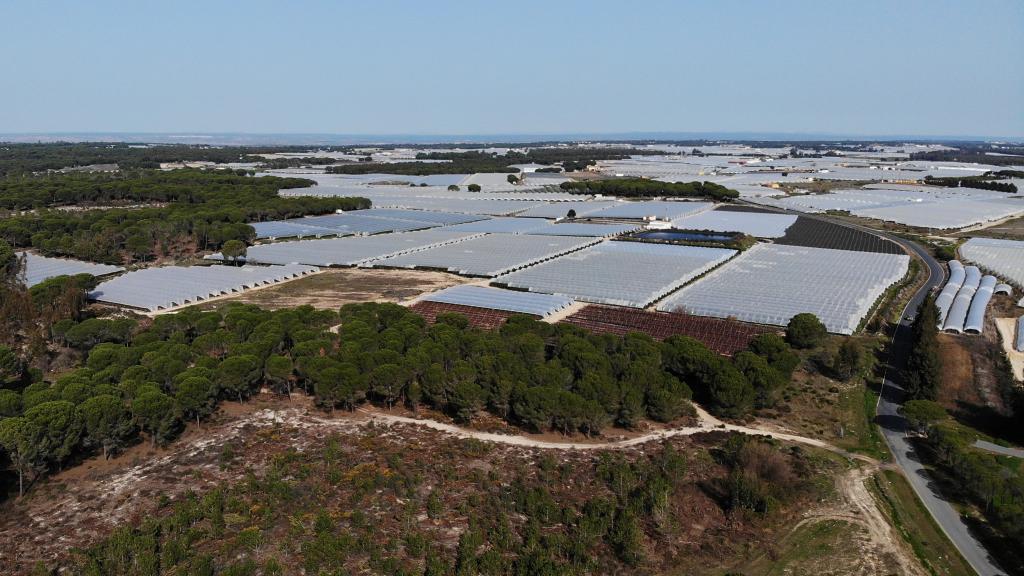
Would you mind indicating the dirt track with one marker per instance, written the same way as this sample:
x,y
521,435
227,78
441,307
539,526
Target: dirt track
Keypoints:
x,y
79,506
882,547
706,423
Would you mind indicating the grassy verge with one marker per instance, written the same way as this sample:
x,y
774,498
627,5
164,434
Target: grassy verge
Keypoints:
x,y
807,550
889,306
916,526
860,403
855,412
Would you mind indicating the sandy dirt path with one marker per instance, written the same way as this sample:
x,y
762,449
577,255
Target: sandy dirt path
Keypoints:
x,y
86,505
882,545
706,423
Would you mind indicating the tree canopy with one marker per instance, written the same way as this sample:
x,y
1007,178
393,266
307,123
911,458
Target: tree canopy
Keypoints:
x,y
805,331
923,372
152,380
183,211
644,188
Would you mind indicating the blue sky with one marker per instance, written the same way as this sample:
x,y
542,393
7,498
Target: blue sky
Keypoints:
x,y
435,67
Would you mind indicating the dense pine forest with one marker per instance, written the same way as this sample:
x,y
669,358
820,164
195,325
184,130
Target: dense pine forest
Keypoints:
x,y
147,214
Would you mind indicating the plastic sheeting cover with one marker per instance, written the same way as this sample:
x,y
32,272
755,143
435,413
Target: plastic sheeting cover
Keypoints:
x,y
490,255
170,286
1020,334
962,303
944,300
975,321
1004,258
498,299
771,283
40,268
631,274
352,250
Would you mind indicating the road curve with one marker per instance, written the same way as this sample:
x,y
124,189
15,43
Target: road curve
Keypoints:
x,y
894,426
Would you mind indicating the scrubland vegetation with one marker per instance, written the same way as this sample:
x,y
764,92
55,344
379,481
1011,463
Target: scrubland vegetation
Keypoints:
x,y
363,503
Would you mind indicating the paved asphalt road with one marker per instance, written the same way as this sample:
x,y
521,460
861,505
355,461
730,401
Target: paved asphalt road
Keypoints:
x,y
997,449
893,425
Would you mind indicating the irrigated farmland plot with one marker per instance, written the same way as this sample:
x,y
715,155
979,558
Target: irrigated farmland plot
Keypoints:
x,y
622,273
39,268
484,318
769,284
1004,258
154,289
722,336
760,225
332,288
352,250
821,234
652,208
489,255
335,224
498,299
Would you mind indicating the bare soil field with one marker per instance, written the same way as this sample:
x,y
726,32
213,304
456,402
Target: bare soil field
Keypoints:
x,y
974,372
1007,335
335,287
969,373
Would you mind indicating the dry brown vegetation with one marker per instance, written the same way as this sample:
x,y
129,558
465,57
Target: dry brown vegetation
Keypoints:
x,y
971,372
387,482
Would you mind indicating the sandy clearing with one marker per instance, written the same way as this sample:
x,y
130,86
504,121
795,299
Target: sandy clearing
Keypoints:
x,y
1007,336
332,288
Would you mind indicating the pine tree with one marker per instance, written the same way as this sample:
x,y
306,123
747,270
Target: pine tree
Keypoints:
x,y
922,374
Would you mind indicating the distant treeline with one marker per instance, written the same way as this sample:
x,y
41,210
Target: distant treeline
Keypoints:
x,y
28,158
822,145
644,188
473,161
544,155
461,166
136,186
972,182
296,162
204,209
975,155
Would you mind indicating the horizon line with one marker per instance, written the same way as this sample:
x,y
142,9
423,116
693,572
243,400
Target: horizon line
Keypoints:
x,y
197,137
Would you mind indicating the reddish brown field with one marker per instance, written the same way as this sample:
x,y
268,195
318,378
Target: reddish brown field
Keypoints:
x,y
483,318
722,336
